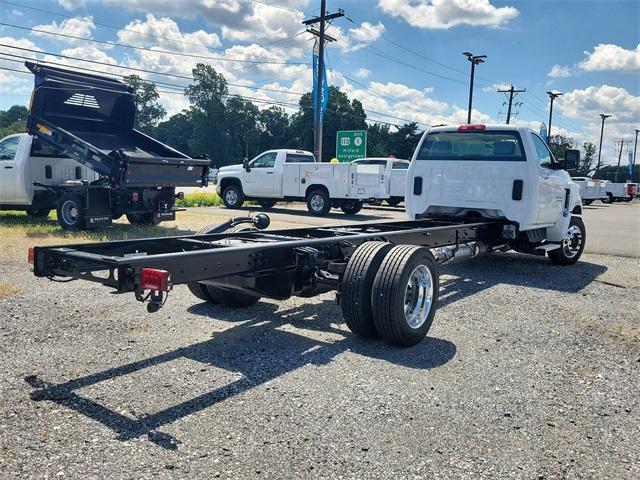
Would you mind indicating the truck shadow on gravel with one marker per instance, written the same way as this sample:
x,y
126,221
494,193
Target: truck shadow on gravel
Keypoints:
x,y
264,344
479,274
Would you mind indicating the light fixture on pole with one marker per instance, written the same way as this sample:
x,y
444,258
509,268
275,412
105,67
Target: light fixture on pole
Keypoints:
x,y
604,117
475,60
552,96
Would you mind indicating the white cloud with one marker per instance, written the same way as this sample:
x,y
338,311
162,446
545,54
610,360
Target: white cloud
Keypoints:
x,y
16,13
72,4
356,38
610,57
76,26
444,14
558,71
164,34
362,73
14,83
496,86
591,101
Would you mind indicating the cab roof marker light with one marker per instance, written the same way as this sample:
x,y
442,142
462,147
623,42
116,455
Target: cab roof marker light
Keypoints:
x,y
471,126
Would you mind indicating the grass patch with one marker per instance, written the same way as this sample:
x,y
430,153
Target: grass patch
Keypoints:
x,y
8,289
199,199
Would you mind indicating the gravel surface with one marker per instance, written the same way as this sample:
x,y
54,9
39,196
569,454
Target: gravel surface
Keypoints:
x,y
529,371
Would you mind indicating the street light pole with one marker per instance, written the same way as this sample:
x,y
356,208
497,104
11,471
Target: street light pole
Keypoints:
x,y
604,117
475,60
552,96
635,149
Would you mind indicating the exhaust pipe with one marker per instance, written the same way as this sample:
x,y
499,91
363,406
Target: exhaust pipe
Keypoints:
x,y
454,253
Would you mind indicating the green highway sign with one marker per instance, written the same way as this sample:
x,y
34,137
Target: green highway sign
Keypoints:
x,y
351,145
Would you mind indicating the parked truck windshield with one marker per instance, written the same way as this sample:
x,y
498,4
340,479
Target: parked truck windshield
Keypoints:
x,y
479,145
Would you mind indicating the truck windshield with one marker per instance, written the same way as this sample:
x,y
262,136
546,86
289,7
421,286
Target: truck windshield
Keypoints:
x,y
479,145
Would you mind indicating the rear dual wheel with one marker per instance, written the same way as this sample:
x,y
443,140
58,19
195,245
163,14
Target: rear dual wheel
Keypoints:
x,y
390,292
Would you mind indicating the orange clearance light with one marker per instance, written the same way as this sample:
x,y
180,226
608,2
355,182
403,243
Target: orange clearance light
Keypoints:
x,y
470,127
154,279
31,256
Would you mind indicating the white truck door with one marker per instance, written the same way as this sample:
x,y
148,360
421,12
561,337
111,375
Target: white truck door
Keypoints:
x,y
261,180
398,179
8,168
551,184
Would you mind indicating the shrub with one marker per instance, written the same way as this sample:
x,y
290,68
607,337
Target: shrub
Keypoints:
x,y
199,199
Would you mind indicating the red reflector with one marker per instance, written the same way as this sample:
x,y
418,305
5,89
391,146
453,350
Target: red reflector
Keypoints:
x,y
467,127
154,279
180,195
31,256
135,196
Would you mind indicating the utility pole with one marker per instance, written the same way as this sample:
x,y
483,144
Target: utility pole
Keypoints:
x,y
322,37
475,60
512,93
635,149
622,142
604,117
552,96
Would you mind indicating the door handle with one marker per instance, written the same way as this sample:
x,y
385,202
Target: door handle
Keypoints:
x,y
269,173
8,166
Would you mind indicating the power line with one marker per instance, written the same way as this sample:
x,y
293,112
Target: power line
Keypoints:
x,y
124,45
97,62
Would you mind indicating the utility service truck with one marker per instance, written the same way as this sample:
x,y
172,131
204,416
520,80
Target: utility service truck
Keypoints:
x,y
395,177
471,189
590,189
82,156
294,175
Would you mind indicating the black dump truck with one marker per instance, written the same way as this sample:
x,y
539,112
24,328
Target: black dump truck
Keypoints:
x,y
90,120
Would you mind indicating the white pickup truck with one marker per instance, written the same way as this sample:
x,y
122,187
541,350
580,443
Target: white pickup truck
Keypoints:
x,y
294,175
590,189
395,176
618,192
500,172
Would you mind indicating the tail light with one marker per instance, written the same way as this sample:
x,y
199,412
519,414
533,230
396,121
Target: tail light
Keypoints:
x,y
630,189
135,196
31,255
471,127
154,279
180,195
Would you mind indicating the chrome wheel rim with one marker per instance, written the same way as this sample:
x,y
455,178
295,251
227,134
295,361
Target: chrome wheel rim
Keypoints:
x,y
418,296
572,241
317,202
231,197
70,212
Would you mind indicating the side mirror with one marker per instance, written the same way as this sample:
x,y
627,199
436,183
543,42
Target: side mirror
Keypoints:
x,y
571,159
245,164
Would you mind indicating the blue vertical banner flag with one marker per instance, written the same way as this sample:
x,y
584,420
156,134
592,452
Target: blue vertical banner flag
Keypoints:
x,y
630,162
325,85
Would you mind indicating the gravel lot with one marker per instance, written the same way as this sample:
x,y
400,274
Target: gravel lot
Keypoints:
x,y
530,371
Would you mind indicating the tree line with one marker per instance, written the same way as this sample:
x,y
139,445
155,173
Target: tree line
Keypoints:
x,y
229,128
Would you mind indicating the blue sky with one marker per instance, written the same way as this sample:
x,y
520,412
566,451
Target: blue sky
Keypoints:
x,y
588,50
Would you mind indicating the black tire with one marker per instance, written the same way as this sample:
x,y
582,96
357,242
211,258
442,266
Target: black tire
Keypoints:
x,y
142,219
572,246
232,196
200,291
609,198
229,298
394,201
628,199
355,288
267,203
587,202
391,287
70,212
351,207
39,212
318,202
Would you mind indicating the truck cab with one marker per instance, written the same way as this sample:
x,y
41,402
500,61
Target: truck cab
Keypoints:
x,y
493,171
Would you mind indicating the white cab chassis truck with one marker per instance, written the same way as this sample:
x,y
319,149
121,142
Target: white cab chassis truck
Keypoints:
x,y
471,189
395,176
294,175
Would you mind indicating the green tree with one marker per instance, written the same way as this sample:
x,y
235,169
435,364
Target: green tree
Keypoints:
x,y
404,141
559,144
588,159
241,117
273,124
13,120
148,111
378,136
207,95
176,131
